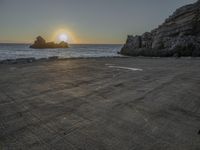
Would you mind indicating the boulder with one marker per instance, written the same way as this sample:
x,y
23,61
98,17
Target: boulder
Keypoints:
x,y
179,35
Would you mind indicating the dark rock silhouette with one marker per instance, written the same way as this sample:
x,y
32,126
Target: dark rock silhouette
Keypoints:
x,y
178,36
40,43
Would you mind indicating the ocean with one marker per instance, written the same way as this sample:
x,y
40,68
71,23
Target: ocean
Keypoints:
x,y
15,51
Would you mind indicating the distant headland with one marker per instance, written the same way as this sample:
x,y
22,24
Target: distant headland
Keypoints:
x,y
40,43
178,36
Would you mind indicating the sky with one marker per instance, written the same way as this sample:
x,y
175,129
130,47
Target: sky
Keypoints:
x,y
84,21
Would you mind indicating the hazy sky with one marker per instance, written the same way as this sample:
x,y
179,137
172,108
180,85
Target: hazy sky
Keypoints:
x,y
85,21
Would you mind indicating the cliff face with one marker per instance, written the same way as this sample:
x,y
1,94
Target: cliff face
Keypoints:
x,y
179,35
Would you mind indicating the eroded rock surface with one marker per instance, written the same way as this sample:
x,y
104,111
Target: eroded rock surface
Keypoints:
x,y
83,104
179,35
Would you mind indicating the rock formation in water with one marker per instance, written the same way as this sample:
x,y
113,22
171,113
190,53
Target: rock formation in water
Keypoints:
x,y
178,36
40,43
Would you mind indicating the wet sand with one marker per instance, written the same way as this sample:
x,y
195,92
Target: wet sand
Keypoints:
x,y
101,104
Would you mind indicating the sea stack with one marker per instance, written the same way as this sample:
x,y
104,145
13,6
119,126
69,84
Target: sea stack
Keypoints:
x,y
40,43
178,36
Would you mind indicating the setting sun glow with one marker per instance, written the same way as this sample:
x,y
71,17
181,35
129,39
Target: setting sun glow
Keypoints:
x,y
63,37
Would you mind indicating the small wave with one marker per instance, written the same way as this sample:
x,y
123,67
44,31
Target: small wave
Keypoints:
x,y
16,51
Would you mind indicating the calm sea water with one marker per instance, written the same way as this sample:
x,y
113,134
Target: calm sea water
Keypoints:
x,y
14,51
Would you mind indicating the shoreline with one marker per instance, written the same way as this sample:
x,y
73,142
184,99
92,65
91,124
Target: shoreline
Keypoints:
x,y
55,58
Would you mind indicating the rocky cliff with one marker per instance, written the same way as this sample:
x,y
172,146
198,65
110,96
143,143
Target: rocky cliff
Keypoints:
x,y
179,35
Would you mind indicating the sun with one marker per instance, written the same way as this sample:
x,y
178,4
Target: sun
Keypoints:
x,y
63,37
